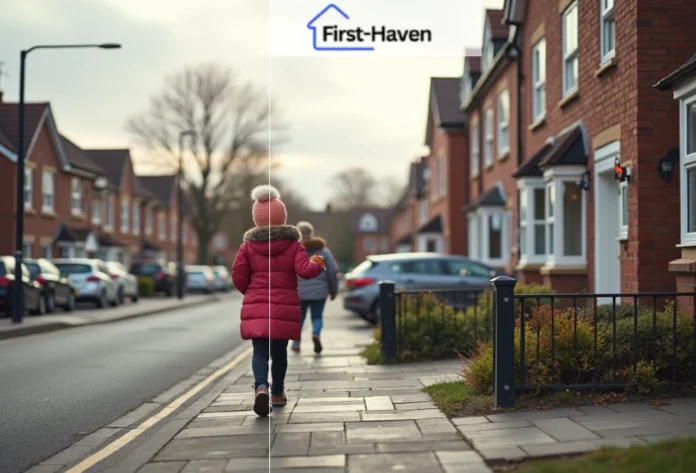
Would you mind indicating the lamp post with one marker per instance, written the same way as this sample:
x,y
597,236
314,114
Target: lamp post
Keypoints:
x,y
18,288
180,215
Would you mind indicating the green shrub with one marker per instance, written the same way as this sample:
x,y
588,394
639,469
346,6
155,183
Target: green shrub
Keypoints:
x,y
478,371
643,379
146,286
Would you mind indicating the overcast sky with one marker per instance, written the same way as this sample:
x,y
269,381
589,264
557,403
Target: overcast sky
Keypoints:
x,y
340,111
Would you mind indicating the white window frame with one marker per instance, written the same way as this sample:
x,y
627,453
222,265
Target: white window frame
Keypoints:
x,y
607,15
26,249
434,191
539,82
488,136
528,223
687,97
442,174
76,196
28,188
569,56
125,214
555,178
475,150
46,250
148,220
136,217
503,123
173,228
48,191
96,210
623,209
423,211
162,225
479,232
110,213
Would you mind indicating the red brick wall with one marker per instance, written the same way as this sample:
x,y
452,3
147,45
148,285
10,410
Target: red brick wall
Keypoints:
x,y
359,253
7,205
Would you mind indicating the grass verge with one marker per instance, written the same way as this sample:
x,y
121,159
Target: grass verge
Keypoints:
x,y
456,399
673,456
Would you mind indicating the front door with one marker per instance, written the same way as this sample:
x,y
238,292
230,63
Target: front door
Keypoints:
x,y
607,223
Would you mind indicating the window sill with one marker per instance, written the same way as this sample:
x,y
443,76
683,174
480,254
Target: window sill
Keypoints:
x,y
622,238
568,99
474,176
528,266
562,270
489,167
504,155
48,214
606,67
29,211
77,216
96,222
538,123
108,229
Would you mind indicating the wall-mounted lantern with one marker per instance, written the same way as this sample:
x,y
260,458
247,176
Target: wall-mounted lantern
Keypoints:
x,y
584,183
667,164
621,173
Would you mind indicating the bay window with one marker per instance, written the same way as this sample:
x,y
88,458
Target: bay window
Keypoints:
x,y
488,132
688,176
503,123
475,150
488,235
565,217
532,220
570,49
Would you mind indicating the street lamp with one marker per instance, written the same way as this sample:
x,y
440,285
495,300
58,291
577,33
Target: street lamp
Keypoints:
x,y
180,214
18,288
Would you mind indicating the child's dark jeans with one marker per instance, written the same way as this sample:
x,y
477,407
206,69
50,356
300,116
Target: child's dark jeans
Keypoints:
x,y
279,365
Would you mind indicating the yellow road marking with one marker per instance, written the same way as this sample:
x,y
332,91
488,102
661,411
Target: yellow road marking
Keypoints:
x,y
121,442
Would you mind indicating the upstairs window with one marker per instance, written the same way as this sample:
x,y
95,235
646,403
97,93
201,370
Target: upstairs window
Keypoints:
x,y
475,155
488,131
48,184
503,123
76,196
539,80
28,188
96,211
570,49
608,30
125,215
136,217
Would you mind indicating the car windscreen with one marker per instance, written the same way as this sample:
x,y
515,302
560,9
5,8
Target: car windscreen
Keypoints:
x,y
74,268
146,269
363,267
34,269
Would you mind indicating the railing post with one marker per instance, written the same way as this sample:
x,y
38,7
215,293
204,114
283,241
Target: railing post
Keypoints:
x,y
388,319
504,341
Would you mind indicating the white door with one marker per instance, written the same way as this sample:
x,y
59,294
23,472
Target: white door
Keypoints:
x,y
607,223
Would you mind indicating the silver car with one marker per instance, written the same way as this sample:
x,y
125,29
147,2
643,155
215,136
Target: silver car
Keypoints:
x,y
200,279
127,283
411,271
91,279
223,279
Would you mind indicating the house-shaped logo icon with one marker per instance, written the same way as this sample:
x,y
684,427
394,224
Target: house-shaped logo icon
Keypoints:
x,y
313,27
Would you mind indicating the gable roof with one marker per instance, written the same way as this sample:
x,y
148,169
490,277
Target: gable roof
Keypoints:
x,y
33,116
684,71
380,213
499,30
443,106
78,158
161,187
112,162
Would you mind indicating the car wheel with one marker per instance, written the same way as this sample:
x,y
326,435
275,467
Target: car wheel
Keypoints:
x,y
40,306
135,298
50,302
70,306
120,298
102,302
375,315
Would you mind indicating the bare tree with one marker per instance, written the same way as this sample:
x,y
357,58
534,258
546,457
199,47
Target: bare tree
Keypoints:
x,y
391,190
353,187
231,120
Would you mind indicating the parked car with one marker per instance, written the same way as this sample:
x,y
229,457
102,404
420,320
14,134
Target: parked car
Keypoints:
x,y
127,283
91,279
200,279
33,302
56,288
411,271
223,279
163,275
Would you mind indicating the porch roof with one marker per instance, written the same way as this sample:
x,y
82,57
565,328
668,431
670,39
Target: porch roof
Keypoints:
x,y
565,149
684,71
433,226
493,197
70,234
109,241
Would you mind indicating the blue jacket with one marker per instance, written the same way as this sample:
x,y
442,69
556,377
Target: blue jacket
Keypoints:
x,y
326,283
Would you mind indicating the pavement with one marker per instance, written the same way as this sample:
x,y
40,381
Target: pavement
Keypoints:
x,y
58,387
88,314
347,417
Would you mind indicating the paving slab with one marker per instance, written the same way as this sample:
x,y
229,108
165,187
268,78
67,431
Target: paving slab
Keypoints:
x,y
204,448
401,462
423,446
508,437
163,467
564,429
569,448
205,466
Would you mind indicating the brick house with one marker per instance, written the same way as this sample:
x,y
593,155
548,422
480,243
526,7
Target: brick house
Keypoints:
x,y
682,82
569,215
440,224
370,230
403,221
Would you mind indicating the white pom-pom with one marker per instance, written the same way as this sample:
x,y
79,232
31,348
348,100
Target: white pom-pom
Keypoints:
x,y
264,193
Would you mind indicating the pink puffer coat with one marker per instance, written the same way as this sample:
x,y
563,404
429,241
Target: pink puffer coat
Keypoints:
x,y
270,290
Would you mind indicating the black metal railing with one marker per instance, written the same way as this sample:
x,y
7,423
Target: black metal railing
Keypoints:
x,y
590,341
426,324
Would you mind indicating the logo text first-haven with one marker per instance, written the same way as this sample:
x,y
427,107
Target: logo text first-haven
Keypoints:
x,y
374,34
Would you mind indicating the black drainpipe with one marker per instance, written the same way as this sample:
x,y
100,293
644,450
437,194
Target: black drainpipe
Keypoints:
x,y
515,53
